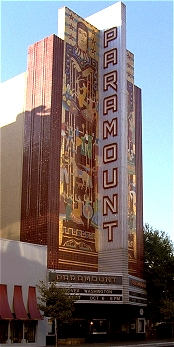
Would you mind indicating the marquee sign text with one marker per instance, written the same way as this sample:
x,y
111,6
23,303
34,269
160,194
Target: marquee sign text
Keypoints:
x,y
81,278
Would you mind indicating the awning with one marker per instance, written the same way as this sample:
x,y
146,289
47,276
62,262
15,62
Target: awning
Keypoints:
x,y
5,312
32,304
18,303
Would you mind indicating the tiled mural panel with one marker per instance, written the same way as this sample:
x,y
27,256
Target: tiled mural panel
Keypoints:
x,y
135,208
132,205
135,190
139,185
79,146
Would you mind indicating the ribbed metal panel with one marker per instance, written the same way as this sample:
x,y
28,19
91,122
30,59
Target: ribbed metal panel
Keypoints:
x,y
114,260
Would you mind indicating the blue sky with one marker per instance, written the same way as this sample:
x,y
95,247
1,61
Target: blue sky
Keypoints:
x,y
149,37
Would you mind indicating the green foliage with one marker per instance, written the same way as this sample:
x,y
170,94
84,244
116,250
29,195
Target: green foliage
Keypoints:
x,y
167,309
159,274
55,302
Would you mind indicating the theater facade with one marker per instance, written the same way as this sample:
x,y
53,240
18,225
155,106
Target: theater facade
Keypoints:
x,y
81,181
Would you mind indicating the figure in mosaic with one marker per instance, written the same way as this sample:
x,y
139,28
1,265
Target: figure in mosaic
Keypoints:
x,y
78,188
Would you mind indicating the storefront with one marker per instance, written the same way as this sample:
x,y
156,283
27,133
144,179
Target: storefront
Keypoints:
x,y
22,266
107,306
97,322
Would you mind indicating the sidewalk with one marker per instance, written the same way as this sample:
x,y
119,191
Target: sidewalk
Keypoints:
x,y
149,343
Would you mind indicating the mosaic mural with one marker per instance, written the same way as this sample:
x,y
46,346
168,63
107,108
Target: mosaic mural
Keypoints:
x,y
131,161
79,137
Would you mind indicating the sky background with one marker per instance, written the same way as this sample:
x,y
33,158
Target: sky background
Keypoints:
x,y
149,37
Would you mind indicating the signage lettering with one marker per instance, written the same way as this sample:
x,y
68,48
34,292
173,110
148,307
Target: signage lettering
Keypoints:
x,y
81,278
109,35
112,205
110,153
138,284
110,130
110,80
112,182
110,57
110,103
110,226
94,291
101,298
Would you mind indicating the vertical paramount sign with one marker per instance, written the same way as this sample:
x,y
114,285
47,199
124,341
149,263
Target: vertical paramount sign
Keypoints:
x,y
112,131
110,145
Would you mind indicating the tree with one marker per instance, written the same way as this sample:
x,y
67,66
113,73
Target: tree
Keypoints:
x,y
55,303
159,274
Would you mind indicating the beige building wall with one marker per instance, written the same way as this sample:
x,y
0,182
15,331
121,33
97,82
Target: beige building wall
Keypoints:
x,y
23,264
12,125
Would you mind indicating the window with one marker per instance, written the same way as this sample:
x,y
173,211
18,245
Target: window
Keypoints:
x,y
99,327
3,331
140,325
16,331
51,326
30,331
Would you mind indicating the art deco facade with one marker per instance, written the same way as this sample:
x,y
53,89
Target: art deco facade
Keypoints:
x,y
82,165
82,159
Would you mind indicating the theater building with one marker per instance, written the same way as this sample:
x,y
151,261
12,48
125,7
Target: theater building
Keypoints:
x,y
80,170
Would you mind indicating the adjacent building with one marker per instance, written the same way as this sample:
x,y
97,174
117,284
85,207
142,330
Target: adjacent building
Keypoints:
x,y
22,266
79,170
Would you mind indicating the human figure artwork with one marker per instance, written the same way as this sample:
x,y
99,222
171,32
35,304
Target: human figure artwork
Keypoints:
x,y
131,125
79,134
131,139
131,176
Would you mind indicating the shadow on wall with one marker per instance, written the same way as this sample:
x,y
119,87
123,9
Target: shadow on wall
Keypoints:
x,y
11,174
12,143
